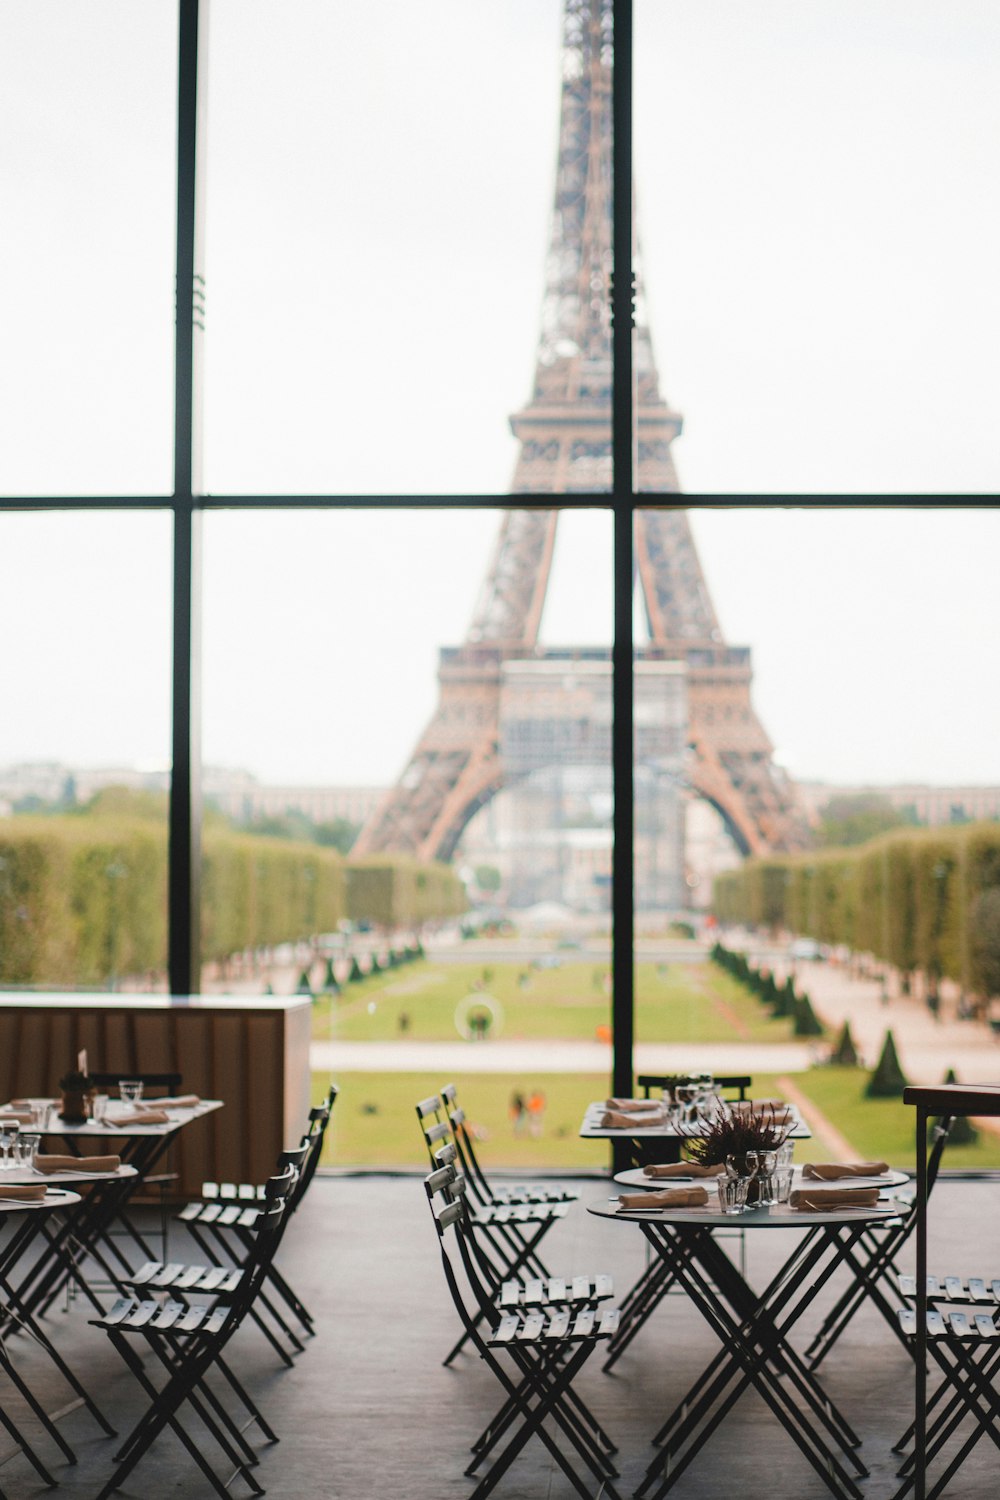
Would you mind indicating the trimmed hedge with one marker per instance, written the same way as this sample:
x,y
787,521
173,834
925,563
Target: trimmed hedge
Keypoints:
x,y
906,897
84,899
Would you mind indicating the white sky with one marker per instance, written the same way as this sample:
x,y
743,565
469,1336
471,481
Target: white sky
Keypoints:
x,y
818,195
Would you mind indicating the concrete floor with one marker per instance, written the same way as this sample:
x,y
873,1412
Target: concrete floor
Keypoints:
x,y
369,1411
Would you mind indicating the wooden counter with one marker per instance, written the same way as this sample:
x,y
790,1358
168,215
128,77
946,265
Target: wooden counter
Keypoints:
x,y
251,1053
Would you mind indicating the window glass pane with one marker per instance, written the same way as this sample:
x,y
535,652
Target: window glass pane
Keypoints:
x,y
84,749
87,180
407,737
388,290
841,805
820,219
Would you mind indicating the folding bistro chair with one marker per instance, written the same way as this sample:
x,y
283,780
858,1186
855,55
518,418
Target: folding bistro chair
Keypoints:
x,y
876,1278
534,1353
964,1342
478,1181
188,1341
222,1222
647,1081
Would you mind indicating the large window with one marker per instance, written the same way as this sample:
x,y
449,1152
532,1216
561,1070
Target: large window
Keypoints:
x,y
396,230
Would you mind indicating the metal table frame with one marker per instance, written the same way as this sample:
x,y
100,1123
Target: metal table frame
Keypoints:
x,y
754,1333
928,1101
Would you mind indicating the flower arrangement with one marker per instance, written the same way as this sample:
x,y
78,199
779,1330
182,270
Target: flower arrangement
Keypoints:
x,y
735,1135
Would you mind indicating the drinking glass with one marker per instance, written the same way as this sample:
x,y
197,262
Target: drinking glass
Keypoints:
x,y
783,1184
784,1154
686,1093
26,1148
130,1090
9,1131
733,1194
99,1108
764,1164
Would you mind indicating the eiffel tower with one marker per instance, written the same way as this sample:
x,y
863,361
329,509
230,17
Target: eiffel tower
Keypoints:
x,y
565,436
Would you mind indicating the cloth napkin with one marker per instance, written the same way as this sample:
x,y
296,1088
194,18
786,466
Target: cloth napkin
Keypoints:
x,y
628,1105
77,1163
140,1117
22,1116
830,1171
684,1169
176,1101
815,1200
32,1192
692,1197
613,1120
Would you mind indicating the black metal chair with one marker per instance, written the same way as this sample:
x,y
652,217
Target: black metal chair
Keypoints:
x,y
731,1085
188,1342
876,1279
534,1353
964,1342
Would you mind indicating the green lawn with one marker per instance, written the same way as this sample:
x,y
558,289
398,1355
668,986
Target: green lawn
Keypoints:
x,y
374,1122
424,1002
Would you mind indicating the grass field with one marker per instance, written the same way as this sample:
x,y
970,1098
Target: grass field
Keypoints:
x,y
374,1123
426,1002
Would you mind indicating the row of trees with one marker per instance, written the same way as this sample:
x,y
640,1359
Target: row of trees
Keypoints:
x,y
83,900
926,899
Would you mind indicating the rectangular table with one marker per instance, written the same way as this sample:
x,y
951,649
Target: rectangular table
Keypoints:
x,y
87,1232
661,1142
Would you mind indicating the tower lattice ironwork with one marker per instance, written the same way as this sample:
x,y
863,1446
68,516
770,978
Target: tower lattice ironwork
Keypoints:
x,y
565,436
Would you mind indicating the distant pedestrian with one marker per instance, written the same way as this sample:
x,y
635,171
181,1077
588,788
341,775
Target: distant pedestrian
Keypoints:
x,y
536,1112
518,1112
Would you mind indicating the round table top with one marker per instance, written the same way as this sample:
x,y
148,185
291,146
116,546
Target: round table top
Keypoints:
x,y
636,1177
776,1216
21,1176
54,1198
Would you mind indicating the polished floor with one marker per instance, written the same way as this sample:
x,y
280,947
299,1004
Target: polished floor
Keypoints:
x,y
369,1410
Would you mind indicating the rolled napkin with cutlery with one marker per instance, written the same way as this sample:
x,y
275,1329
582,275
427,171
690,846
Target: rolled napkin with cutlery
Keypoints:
x,y
77,1163
21,1116
831,1171
684,1169
613,1119
138,1117
172,1101
627,1105
692,1197
30,1192
818,1200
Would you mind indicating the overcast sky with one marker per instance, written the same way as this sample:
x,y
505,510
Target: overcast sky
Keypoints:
x,y
818,199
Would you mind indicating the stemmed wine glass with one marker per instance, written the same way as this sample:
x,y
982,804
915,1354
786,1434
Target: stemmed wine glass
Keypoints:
x,y
9,1130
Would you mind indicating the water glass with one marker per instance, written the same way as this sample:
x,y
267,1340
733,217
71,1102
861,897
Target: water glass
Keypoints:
x,y
9,1131
39,1112
99,1108
733,1194
26,1148
130,1090
783,1184
784,1154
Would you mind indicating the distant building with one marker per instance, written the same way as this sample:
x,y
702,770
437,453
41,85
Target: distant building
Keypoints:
x,y
932,805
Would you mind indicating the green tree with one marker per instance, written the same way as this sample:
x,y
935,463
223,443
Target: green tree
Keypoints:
x,y
888,1080
858,817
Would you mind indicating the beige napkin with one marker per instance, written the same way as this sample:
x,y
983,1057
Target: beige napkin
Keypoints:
x,y
815,1200
22,1116
32,1192
692,1197
612,1120
830,1171
627,1105
140,1117
176,1101
684,1169
77,1163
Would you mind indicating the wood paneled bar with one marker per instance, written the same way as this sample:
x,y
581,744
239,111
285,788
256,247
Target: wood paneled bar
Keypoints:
x,y
251,1053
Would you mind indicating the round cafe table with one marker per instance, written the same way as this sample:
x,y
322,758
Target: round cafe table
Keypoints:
x,y
753,1329
21,1220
